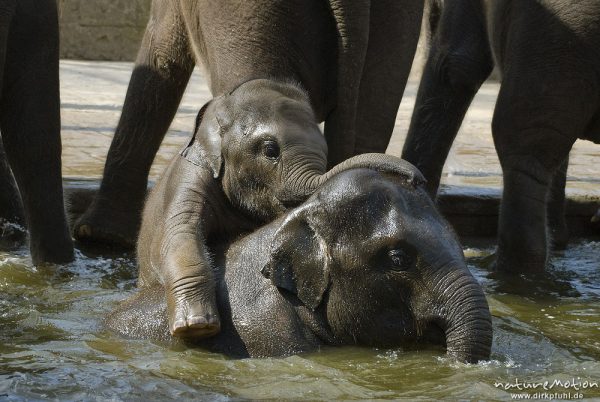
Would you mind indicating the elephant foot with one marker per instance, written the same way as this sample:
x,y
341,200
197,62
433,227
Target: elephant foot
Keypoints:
x,y
596,217
193,320
108,226
559,235
536,285
12,235
522,264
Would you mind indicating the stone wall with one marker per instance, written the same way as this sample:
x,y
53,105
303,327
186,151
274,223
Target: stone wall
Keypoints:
x,y
102,29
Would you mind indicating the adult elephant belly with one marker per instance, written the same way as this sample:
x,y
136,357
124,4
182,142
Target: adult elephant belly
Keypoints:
x,y
238,41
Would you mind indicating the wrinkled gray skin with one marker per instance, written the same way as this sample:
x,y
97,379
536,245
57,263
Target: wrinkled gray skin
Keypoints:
x,y
548,55
30,126
366,260
255,153
352,57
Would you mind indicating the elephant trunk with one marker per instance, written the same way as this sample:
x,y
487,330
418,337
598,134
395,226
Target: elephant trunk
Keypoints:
x,y
468,324
308,183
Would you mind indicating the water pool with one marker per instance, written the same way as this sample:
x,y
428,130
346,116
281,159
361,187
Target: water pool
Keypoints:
x,y
53,346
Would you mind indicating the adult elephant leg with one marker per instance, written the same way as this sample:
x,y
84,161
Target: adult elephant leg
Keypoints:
x,y
352,23
11,209
458,63
163,67
533,131
557,224
393,35
30,124
7,12
12,217
596,217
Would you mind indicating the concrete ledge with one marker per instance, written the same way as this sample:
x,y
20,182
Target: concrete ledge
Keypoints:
x,y
472,211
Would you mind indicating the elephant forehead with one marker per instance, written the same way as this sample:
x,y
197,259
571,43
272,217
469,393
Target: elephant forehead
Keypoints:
x,y
269,89
284,125
289,109
368,231
381,216
280,110
365,206
267,101
361,189
372,229
352,211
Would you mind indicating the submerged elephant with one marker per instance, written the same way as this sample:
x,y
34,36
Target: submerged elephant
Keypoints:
x,y
366,260
30,125
352,57
251,158
547,53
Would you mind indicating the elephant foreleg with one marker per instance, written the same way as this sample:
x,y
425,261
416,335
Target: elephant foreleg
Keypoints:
x,y
190,287
393,36
179,217
458,63
596,217
162,70
7,12
557,224
11,209
533,133
12,218
30,124
351,18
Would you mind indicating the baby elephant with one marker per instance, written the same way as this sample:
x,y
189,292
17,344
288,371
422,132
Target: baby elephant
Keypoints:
x,y
255,153
367,260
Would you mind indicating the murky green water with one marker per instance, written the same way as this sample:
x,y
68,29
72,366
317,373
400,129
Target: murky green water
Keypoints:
x,y
52,344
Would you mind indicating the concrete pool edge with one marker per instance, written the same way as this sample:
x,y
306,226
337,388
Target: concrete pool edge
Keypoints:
x,y
473,211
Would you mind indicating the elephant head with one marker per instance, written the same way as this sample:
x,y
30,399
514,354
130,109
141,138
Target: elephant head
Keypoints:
x,y
370,254
264,144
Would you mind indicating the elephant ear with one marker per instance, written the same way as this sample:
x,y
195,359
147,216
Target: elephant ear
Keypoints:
x,y
299,261
204,149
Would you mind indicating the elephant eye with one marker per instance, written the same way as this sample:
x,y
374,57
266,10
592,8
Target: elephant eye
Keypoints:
x,y
402,259
270,149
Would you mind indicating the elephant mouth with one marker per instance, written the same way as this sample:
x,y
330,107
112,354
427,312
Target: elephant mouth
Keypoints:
x,y
430,336
434,333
